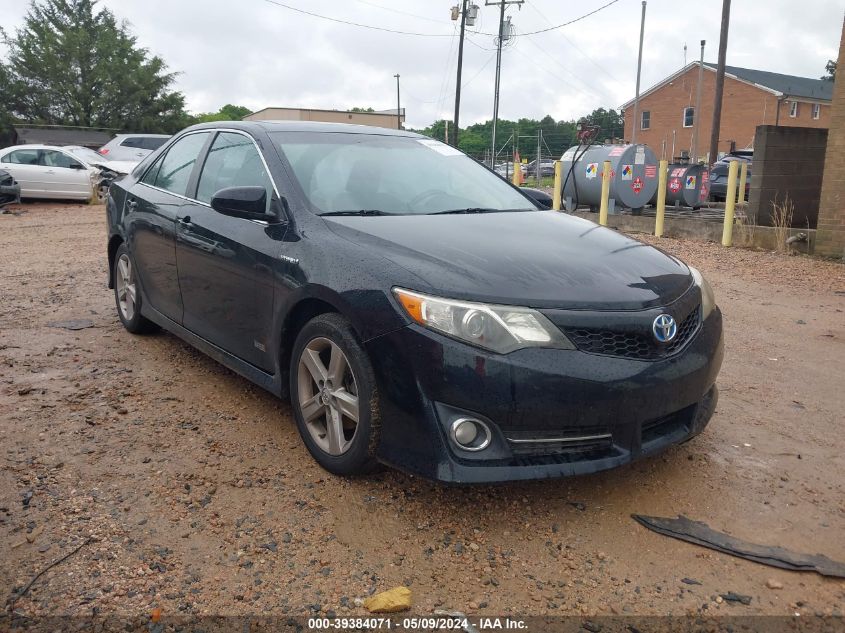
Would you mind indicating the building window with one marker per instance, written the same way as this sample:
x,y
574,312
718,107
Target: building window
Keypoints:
x,y
817,110
689,116
646,120
793,109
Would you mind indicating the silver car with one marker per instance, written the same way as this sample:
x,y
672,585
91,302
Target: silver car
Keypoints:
x,y
132,147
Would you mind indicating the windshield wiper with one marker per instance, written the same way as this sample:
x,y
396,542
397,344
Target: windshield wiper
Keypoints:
x,y
360,212
473,210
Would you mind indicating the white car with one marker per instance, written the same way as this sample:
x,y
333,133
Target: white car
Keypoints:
x,y
132,146
47,171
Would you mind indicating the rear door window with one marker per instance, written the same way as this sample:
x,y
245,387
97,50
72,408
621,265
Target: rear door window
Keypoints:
x,y
178,163
232,161
143,142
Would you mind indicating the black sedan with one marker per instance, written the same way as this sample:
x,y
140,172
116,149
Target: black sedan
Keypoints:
x,y
719,176
417,310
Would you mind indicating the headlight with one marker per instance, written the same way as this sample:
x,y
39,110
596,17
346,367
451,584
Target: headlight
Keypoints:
x,y
708,299
501,329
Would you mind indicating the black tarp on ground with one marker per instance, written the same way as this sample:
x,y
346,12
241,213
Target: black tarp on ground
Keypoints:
x,y
701,534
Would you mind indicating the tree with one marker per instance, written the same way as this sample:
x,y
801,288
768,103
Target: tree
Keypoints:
x,y
359,109
73,63
610,121
228,112
830,69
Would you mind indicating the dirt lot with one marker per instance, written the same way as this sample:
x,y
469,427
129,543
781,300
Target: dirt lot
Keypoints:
x,y
201,498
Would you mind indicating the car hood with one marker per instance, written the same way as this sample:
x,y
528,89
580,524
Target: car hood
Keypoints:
x,y
540,259
119,166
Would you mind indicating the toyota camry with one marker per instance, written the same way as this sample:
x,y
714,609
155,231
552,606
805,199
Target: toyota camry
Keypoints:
x,y
417,310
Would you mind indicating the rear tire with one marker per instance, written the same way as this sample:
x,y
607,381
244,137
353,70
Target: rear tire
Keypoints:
x,y
334,396
127,294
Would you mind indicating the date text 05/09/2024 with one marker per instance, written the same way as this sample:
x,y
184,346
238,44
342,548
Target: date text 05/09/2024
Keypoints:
x,y
451,622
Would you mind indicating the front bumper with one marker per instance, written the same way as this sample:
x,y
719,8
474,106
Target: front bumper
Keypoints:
x,y
10,194
540,404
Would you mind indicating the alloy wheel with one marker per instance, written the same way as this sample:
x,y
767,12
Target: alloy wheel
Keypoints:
x,y
328,396
126,289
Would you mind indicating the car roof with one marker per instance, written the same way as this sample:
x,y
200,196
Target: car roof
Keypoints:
x,y
304,126
31,146
116,136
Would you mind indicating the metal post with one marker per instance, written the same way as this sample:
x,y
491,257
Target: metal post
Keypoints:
x,y
556,194
697,116
539,136
639,68
661,198
398,108
730,201
743,176
498,70
713,155
460,69
605,191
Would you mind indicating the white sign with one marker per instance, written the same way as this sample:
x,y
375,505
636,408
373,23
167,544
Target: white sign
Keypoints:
x,y
440,148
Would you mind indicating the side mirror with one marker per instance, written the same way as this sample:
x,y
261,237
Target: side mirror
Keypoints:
x,y
243,202
76,166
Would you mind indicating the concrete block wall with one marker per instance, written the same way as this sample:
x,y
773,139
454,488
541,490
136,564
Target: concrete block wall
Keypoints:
x,y
787,161
830,240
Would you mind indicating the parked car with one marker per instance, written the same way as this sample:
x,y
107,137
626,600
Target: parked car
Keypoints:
x,y
132,147
543,200
506,170
547,168
719,174
417,310
45,171
10,190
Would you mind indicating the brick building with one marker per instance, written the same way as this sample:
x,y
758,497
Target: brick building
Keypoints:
x,y
666,119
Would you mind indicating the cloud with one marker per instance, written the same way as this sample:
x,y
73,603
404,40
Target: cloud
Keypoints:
x,y
257,54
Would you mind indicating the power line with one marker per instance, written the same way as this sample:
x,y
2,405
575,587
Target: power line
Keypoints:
x,y
560,26
358,24
573,45
413,33
392,10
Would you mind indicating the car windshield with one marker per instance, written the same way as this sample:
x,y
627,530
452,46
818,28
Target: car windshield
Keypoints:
x,y
372,174
88,155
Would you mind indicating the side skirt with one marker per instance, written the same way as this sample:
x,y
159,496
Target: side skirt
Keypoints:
x,y
270,382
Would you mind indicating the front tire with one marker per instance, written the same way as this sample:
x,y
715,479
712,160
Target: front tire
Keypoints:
x,y
127,294
334,396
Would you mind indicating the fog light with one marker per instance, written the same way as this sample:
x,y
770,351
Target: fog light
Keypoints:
x,y
470,434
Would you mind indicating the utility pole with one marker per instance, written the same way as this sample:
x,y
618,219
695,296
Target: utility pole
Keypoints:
x,y
696,130
539,138
720,82
468,12
398,109
502,4
636,122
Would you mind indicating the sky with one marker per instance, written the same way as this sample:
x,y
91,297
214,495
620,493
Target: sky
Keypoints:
x,y
258,54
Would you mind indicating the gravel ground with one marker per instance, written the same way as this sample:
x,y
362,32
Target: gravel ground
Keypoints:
x,y
198,496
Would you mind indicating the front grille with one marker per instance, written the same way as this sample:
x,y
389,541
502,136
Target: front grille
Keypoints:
x,y
633,344
575,440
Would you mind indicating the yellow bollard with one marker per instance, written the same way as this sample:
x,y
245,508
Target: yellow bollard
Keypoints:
x,y
557,193
661,198
730,201
743,175
605,192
